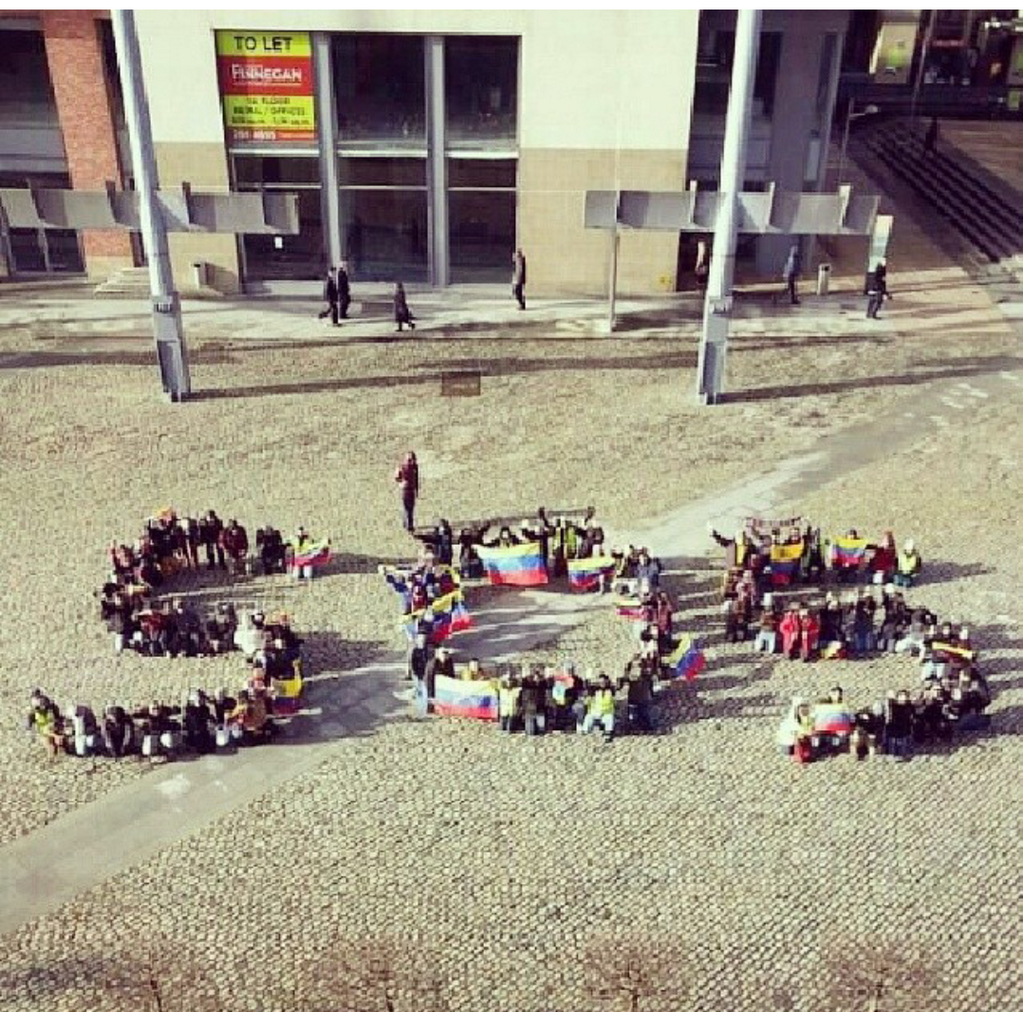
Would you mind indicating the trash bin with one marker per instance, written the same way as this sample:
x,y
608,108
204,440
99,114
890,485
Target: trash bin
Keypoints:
x,y
202,273
823,279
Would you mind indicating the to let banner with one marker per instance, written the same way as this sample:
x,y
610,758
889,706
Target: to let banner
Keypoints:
x,y
266,85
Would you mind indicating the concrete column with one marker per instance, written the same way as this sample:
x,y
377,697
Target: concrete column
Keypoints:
x,y
326,128
710,367
74,53
436,165
171,353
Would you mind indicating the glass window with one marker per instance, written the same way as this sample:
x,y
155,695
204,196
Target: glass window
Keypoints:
x,y
482,232
382,172
481,90
380,88
26,94
254,171
473,173
384,234
289,257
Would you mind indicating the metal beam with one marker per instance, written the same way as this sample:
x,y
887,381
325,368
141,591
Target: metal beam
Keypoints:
x,y
436,164
326,128
171,353
710,368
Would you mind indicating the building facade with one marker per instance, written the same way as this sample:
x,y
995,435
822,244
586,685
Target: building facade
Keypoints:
x,y
424,146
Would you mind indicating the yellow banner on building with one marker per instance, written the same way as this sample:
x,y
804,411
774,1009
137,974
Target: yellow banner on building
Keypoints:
x,y
262,44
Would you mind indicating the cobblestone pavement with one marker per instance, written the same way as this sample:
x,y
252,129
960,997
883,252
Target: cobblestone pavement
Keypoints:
x,y
504,860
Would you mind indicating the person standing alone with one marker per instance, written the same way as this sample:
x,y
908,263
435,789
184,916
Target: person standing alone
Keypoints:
x,y
793,268
877,289
330,295
519,277
344,296
407,477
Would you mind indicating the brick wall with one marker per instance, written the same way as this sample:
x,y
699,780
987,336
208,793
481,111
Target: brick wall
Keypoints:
x,y
74,53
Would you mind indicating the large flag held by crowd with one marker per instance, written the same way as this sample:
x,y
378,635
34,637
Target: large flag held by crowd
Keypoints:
x,y
456,697
687,659
785,563
514,565
848,553
585,574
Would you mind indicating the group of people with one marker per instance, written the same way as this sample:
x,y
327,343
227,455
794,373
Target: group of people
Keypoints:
x,y
893,725
200,724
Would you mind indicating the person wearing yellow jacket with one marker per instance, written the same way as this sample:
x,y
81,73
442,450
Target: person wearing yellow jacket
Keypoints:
x,y
908,565
600,708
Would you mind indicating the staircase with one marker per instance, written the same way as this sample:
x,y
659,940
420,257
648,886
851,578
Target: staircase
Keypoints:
x,y
985,212
127,283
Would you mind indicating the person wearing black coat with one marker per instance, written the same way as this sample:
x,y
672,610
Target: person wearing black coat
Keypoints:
x,y
877,290
330,296
210,529
402,313
344,290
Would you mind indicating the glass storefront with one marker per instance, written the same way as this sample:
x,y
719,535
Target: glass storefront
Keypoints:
x,y
299,257
384,187
380,89
481,218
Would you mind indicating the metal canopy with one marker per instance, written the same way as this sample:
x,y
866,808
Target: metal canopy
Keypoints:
x,y
181,210
760,213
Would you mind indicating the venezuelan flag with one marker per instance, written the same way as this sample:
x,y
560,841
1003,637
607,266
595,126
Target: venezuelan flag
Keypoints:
x,y
848,553
315,554
687,659
584,574
450,615
454,697
629,609
832,718
938,646
785,562
515,565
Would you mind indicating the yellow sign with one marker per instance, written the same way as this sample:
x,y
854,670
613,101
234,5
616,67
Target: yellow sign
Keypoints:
x,y
261,44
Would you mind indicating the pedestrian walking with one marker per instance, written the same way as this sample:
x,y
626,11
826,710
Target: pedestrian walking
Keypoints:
x,y
407,477
519,277
877,289
402,313
791,271
330,297
931,137
344,290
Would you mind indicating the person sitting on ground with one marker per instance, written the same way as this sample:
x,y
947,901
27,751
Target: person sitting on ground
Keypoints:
x,y
908,565
600,708
929,719
197,724
796,727
868,733
84,736
529,702
648,572
248,637
832,630
221,707
639,684
833,722
46,721
117,731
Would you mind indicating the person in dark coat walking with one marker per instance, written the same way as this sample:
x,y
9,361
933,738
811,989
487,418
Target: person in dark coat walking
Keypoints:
x,y
791,271
407,477
330,294
877,289
519,277
402,313
344,292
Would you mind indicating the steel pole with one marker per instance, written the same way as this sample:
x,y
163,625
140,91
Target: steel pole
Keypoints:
x,y
925,46
717,308
171,354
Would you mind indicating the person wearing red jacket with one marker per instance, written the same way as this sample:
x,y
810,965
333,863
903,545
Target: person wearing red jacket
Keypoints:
x,y
809,633
790,630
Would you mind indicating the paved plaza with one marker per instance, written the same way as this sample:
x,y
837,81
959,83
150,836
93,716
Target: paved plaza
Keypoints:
x,y
481,871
